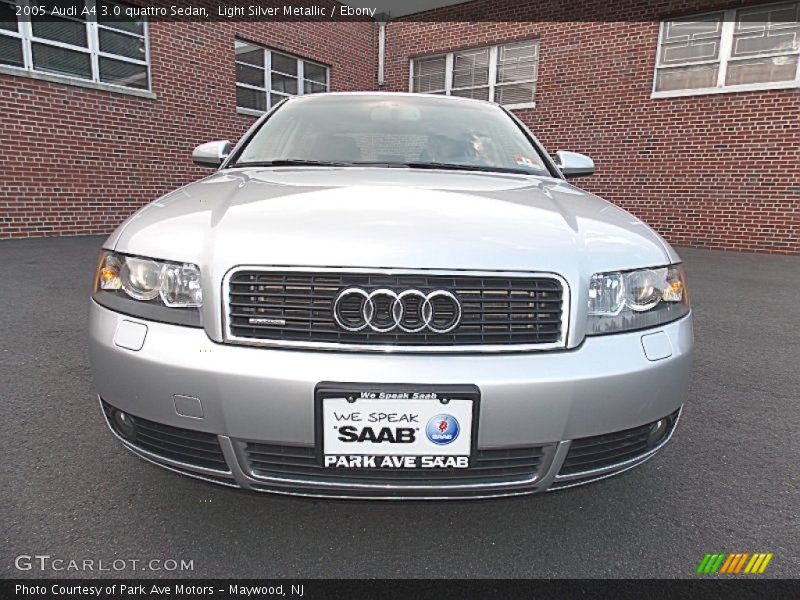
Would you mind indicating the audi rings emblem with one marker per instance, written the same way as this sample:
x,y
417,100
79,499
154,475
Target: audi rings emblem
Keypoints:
x,y
384,310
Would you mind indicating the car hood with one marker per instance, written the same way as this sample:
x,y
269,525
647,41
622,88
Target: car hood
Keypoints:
x,y
401,218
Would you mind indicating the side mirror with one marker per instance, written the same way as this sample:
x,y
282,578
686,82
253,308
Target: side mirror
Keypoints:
x,y
211,154
573,164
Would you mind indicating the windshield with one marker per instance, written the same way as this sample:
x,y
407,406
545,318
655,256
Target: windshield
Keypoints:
x,y
401,131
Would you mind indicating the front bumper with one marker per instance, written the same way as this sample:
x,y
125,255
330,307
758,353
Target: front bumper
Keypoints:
x,y
539,400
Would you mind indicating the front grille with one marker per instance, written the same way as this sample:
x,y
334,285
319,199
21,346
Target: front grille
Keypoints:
x,y
195,448
301,462
600,451
297,307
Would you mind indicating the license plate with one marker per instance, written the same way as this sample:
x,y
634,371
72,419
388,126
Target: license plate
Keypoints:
x,y
394,428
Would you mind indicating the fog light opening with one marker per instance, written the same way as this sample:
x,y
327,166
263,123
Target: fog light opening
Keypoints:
x,y
125,424
658,431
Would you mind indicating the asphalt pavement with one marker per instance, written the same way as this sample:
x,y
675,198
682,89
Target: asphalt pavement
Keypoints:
x,y
727,482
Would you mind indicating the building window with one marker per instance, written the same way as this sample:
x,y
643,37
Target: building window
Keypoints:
x,y
505,74
102,45
264,77
756,47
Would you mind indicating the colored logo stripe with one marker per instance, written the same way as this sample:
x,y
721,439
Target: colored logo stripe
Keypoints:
x,y
726,566
710,563
758,563
734,563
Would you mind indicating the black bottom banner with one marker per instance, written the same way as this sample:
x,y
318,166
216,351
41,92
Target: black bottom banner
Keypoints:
x,y
385,589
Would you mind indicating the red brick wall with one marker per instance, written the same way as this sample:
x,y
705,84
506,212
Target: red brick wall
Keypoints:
x,y
716,171
79,161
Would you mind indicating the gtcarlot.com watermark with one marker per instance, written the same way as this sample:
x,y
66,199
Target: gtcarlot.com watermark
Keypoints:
x,y
48,563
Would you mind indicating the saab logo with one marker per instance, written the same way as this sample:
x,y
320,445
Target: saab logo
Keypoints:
x,y
399,435
442,429
734,563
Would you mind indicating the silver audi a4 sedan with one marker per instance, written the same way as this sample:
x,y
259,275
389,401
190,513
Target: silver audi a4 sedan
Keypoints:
x,y
390,296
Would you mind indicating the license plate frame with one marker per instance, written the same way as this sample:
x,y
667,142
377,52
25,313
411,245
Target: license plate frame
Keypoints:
x,y
327,389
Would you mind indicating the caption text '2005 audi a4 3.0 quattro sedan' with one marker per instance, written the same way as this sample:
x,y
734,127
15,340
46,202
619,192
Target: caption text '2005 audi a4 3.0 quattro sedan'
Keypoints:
x,y
390,296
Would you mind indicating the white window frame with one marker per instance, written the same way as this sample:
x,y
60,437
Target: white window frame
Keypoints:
x,y
493,85
267,89
726,43
25,34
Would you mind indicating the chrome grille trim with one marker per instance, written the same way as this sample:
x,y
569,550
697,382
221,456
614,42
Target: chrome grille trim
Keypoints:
x,y
230,337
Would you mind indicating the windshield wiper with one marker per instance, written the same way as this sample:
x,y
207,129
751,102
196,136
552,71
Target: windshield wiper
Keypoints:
x,y
294,162
301,162
446,167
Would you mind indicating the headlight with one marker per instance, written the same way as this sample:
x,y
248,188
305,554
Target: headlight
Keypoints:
x,y
141,278
151,289
625,301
